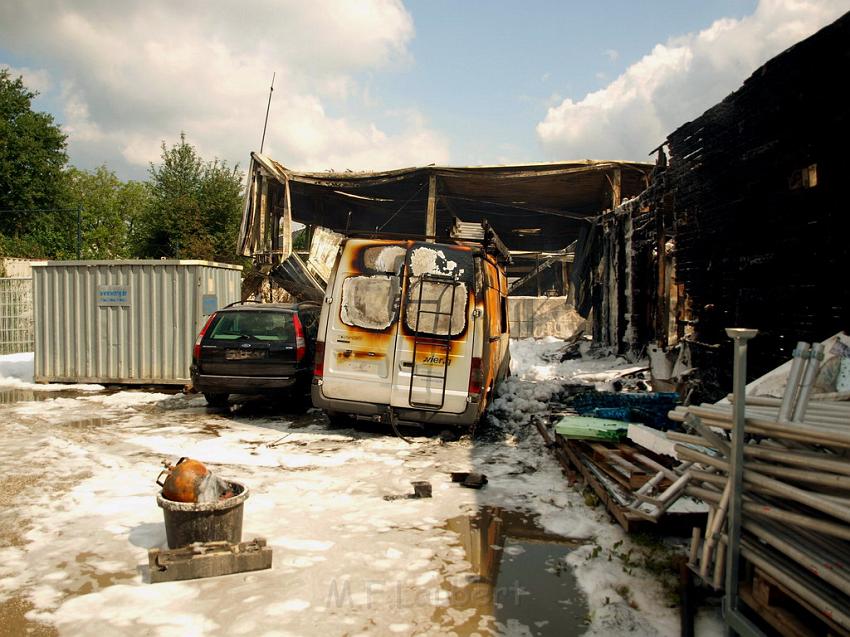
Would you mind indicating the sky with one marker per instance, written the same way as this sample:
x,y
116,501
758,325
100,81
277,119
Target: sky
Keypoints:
x,y
377,84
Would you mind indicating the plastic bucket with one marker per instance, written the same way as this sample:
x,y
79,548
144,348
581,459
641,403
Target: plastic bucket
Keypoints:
x,y
187,522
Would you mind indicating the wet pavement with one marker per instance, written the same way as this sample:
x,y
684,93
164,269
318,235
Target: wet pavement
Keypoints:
x,y
77,487
11,396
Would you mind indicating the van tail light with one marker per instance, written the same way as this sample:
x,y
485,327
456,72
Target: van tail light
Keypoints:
x,y
196,351
476,377
300,343
319,364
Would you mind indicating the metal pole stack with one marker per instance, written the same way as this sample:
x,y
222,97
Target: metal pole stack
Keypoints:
x,y
777,478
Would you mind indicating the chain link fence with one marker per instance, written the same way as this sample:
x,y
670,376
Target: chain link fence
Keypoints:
x,y
16,318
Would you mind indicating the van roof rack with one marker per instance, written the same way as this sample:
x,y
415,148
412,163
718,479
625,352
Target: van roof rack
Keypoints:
x,y
461,231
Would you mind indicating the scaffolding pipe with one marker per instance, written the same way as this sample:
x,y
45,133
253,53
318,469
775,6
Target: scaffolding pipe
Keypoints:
x,y
832,421
793,383
823,566
822,503
815,357
696,533
814,434
841,531
814,405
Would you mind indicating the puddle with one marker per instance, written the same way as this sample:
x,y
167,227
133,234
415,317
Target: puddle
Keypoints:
x,y
94,579
519,577
11,396
87,423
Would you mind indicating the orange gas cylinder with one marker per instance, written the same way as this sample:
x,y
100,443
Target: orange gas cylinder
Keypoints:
x,y
184,481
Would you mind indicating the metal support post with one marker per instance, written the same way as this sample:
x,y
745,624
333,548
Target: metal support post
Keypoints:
x,y
431,211
735,621
79,232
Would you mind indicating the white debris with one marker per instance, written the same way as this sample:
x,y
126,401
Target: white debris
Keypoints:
x,y
651,439
16,367
773,383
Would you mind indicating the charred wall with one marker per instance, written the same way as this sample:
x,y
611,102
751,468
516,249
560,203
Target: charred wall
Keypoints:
x,y
748,217
759,203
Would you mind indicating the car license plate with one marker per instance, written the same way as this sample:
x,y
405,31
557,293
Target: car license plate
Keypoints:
x,y
243,354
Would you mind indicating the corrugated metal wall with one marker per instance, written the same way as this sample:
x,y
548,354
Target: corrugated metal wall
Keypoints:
x,y
539,316
16,315
124,321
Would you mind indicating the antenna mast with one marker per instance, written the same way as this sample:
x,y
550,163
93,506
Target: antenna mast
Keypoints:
x,y
268,106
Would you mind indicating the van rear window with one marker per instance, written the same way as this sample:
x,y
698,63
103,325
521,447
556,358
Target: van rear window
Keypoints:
x,y
436,297
452,270
369,301
253,325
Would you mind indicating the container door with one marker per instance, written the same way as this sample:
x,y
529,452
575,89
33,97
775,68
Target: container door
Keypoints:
x,y
362,322
436,316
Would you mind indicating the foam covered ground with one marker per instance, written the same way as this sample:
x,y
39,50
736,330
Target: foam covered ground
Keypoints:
x,y
16,371
79,514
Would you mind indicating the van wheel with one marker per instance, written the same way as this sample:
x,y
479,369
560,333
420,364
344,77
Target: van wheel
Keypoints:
x,y
216,400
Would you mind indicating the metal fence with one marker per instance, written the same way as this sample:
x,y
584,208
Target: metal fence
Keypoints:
x,y
16,318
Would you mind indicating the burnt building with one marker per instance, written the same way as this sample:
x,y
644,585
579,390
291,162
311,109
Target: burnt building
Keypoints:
x,y
742,226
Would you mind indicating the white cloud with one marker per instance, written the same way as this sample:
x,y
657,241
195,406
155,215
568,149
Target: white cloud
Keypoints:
x,y
134,74
37,80
677,81
612,54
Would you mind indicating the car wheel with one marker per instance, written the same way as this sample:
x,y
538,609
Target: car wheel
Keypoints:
x,y
216,400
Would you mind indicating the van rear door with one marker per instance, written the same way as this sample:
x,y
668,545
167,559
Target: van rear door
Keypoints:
x,y
362,322
435,321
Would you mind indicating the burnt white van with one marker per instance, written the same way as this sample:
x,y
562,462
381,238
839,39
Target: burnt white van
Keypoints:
x,y
411,331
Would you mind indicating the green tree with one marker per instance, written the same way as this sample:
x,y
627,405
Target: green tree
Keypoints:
x,y
109,209
32,156
195,207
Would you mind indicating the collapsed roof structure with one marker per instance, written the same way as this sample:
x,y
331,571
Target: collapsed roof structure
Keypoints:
x,y
535,208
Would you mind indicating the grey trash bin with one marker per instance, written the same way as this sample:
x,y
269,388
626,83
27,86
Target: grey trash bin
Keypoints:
x,y
188,522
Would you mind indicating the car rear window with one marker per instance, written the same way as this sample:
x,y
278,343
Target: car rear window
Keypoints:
x,y
253,325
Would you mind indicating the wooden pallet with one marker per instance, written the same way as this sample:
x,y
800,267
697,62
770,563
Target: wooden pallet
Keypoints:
x,y
612,471
617,461
786,613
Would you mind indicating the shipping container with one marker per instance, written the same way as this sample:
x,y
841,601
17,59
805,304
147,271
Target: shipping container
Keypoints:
x,y
124,322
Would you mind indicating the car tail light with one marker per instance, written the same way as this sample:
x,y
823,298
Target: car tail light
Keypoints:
x,y
300,343
319,364
475,377
196,351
